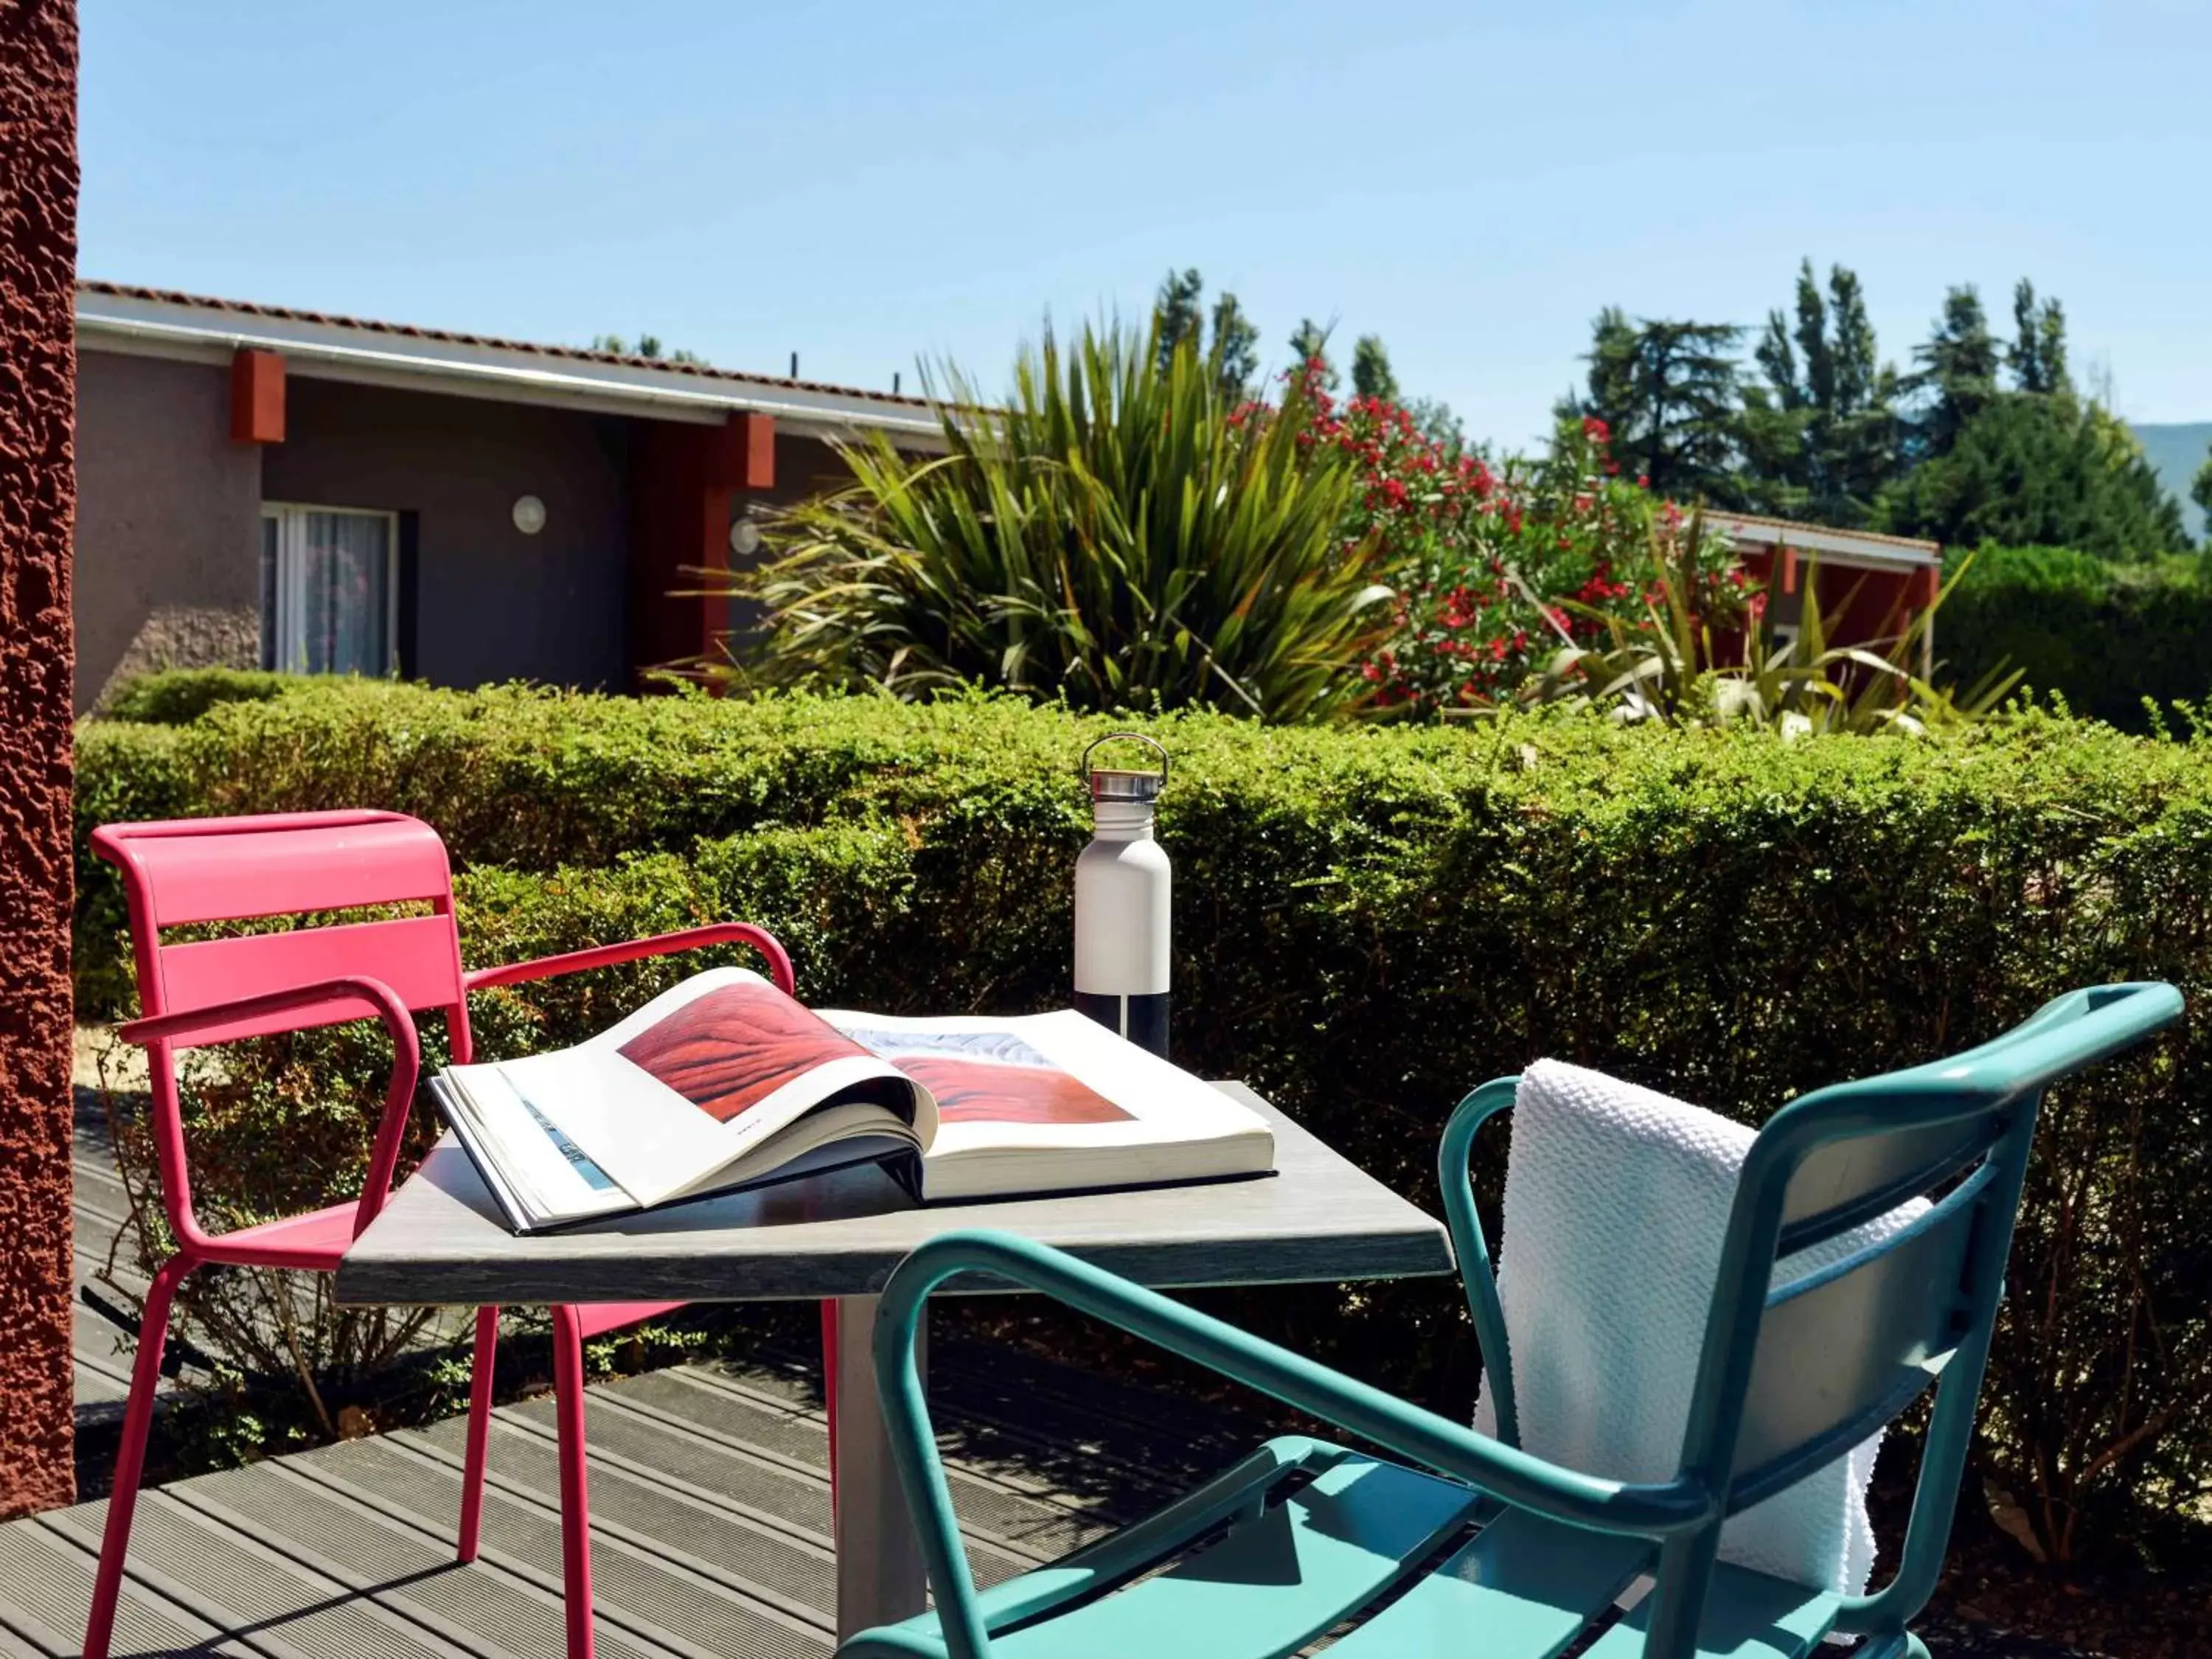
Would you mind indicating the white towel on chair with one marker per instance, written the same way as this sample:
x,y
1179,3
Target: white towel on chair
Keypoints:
x,y
1616,1201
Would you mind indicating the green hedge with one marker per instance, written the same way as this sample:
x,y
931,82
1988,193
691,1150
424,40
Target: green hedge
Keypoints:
x,y
176,696
1369,921
2102,636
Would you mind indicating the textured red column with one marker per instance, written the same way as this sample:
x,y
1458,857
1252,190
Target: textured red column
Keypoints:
x,y
38,500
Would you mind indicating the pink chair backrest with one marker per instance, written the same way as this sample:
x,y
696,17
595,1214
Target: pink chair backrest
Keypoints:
x,y
189,871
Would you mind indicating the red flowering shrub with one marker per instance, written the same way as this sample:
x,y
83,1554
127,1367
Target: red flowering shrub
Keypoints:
x,y
1495,566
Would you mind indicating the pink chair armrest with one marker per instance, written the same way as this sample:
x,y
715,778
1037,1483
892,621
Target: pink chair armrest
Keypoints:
x,y
406,1062
606,956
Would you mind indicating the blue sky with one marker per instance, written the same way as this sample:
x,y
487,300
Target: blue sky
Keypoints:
x,y
865,182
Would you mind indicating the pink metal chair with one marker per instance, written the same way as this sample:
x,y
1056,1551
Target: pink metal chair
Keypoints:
x,y
205,992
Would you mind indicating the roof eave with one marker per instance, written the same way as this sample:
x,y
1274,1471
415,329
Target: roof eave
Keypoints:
x,y
1835,546
323,350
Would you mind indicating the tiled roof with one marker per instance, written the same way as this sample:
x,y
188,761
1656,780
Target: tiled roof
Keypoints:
x,y
1784,526
409,331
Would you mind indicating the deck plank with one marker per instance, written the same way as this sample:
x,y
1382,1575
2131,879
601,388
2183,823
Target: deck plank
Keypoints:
x,y
711,1513
652,1596
793,1573
45,1594
234,1581
479,1609
103,1339
99,1208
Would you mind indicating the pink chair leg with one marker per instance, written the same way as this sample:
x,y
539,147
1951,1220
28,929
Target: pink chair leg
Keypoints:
x,y
131,1455
829,1391
575,1495
480,1393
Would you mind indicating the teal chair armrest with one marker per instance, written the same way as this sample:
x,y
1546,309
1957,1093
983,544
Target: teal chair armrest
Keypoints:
x,y
1421,1437
1472,1249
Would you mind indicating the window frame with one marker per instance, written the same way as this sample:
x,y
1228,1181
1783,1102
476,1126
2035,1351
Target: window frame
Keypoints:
x,y
279,511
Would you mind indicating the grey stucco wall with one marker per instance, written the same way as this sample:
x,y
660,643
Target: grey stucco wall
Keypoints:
x,y
168,523
492,604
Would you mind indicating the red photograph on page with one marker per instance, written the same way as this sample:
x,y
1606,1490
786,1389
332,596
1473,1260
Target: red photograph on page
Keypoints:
x,y
732,1048
989,1077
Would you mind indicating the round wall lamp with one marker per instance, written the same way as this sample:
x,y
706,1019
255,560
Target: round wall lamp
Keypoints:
x,y
529,514
745,539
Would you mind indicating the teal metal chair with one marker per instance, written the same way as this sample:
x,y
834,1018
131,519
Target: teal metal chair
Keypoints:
x,y
1471,1547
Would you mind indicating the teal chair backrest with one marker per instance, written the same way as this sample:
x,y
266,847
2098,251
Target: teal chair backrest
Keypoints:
x,y
1790,1379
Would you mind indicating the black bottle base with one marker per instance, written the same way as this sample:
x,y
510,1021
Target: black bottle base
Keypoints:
x,y
1142,1019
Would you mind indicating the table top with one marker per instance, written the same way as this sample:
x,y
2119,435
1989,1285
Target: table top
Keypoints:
x,y
1318,1218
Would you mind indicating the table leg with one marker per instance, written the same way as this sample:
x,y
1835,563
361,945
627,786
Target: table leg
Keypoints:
x,y
880,1579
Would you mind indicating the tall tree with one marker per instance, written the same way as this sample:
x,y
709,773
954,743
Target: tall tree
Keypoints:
x,y
1310,344
1821,438
1957,374
646,345
1235,349
2038,356
1371,369
1178,312
1179,315
1777,351
1667,390
2044,469
2200,492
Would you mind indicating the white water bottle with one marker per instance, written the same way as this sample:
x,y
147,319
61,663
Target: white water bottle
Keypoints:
x,y
1122,903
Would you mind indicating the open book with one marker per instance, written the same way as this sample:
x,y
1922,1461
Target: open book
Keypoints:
x,y
724,1082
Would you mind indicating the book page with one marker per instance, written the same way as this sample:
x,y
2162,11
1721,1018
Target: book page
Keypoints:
x,y
694,1081
540,1177
1049,1082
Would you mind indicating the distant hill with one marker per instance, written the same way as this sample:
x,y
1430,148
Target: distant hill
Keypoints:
x,y
2178,451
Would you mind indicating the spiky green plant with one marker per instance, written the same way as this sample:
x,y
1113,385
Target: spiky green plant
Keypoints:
x,y
1118,531
1667,669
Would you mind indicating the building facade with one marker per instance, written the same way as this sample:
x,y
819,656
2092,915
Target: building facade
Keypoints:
x,y
1869,588
280,489
264,487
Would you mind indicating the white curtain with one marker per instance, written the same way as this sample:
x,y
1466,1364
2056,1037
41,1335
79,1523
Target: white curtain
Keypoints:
x,y
326,592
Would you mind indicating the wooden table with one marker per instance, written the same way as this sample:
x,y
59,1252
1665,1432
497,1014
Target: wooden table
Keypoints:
x,y
1318,1219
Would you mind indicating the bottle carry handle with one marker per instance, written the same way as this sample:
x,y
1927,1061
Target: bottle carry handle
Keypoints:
x,y
1153,743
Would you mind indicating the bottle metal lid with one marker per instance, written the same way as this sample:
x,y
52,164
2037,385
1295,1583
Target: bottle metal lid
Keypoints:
x,y
1116,783
1125,786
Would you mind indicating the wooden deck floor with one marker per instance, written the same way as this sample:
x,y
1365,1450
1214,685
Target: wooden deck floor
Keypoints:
x,y
109,1288
709,1503
102,1345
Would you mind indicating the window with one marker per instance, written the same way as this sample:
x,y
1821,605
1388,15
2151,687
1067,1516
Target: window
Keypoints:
x,y
329,584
